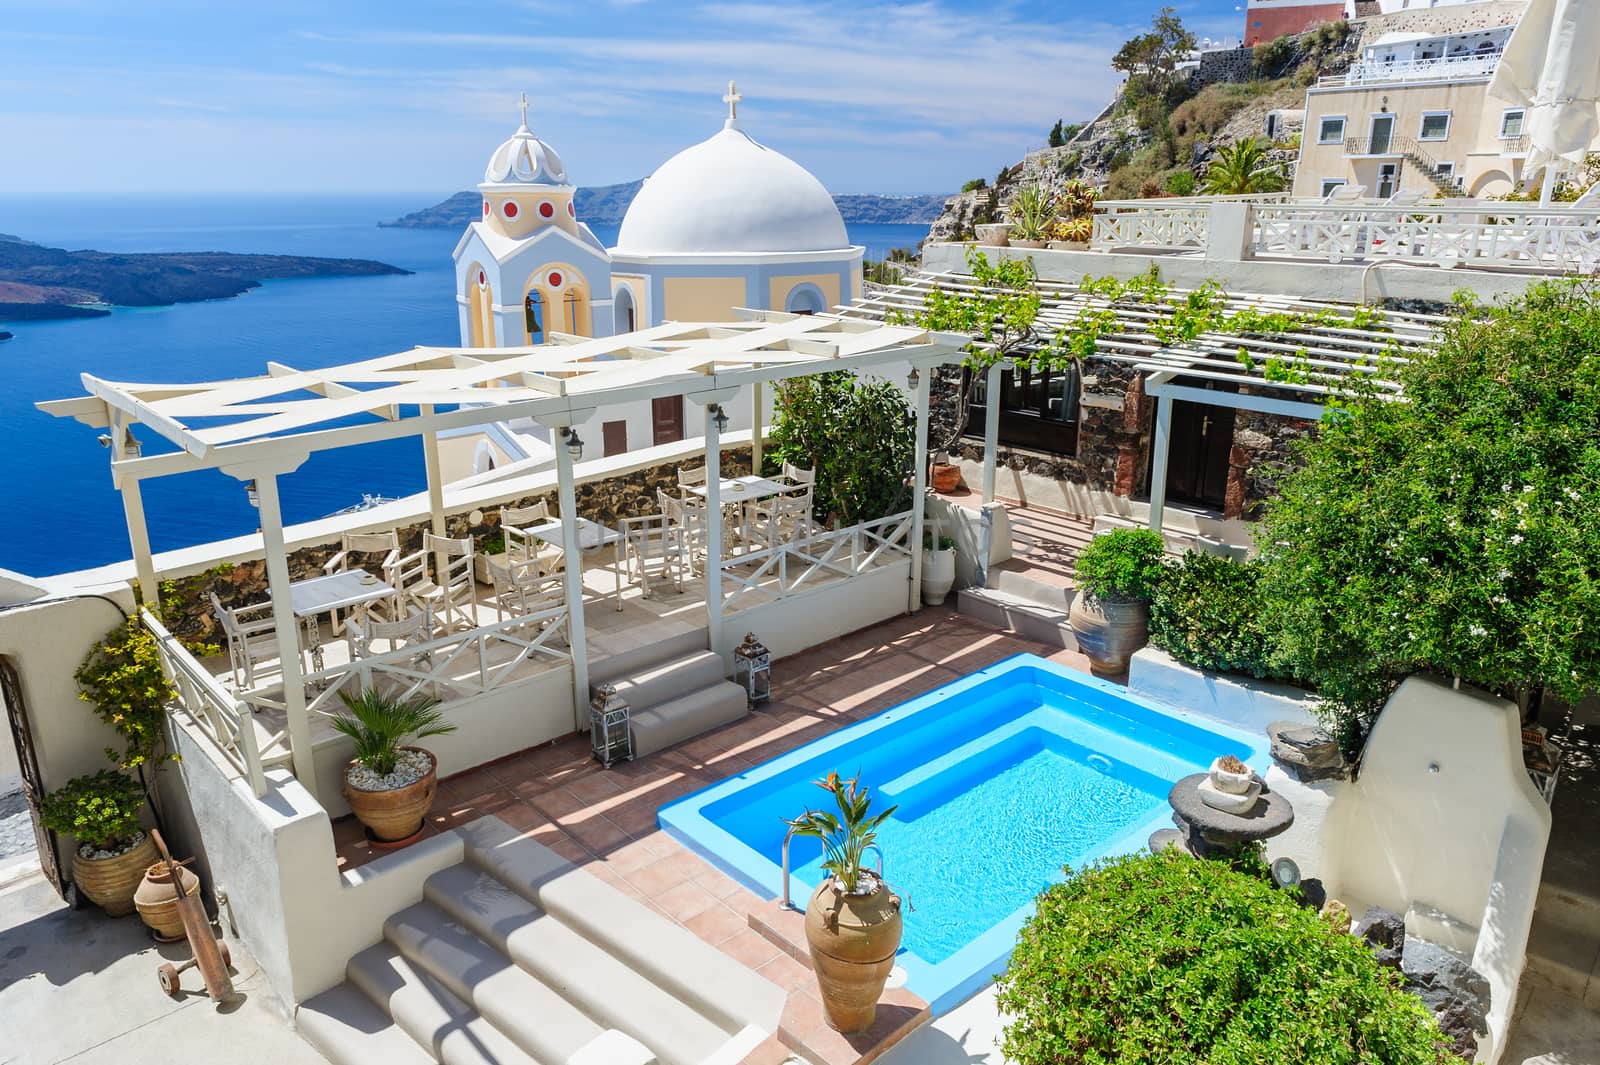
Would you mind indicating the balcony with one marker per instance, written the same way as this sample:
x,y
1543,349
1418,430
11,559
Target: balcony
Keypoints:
x,y
1449,68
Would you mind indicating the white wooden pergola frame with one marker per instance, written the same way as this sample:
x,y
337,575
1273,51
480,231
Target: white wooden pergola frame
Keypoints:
x,y
1333,355
257,429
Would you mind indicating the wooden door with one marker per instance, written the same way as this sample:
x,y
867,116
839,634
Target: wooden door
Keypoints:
x,y
1197,464
666,418
614,435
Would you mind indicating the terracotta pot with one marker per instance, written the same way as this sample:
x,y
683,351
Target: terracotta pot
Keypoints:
x,y
938,575
111,882
1016,243
157,900
397,813
1109,631
946,478
853,940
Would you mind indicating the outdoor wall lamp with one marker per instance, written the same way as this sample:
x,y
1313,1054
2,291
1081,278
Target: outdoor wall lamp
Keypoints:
x,y
132,447
913,379
719,418
252,493
569,436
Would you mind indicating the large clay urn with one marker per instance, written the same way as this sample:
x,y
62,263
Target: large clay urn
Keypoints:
x,y
1109,631
111,882
157,900
396,814
853,940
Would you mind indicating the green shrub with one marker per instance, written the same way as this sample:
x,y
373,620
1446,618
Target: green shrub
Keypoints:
x,y
101,810
1122,565
122,677
858,435
975,184
1181,182
1166,959
1208,614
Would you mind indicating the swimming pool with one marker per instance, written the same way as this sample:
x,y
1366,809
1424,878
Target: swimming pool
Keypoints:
x,y
1001,778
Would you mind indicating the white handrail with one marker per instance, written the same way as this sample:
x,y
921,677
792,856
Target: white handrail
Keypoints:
x,y
847,552
220,716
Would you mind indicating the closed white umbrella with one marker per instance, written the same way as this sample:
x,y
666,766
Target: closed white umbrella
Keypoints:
x,y
1551,66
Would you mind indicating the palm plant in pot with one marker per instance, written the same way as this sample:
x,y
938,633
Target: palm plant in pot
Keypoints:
x,y
389,785
1031,211
101,813
1117,577
853,922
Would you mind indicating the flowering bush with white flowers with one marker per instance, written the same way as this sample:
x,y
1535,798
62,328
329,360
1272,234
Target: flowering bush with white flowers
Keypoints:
x,y
1457,531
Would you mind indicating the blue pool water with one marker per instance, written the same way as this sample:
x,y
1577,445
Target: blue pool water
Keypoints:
x,y
1000,780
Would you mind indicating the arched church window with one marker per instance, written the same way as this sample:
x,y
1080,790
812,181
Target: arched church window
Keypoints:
x,y
574,306
533,311
623,302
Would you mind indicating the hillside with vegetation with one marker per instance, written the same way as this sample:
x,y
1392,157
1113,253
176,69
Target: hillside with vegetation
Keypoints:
x,y
1167,127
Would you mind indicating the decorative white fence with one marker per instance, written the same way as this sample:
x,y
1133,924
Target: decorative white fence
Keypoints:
x,y
802,566
457,666
1180,226
1560,239
1446,69
224,718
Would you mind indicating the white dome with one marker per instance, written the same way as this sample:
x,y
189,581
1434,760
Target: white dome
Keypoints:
x,y
731,194
525,160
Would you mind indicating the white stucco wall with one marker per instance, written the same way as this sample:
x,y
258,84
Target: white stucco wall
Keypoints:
x,y
1239,701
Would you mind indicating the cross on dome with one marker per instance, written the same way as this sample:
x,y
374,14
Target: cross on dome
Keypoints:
x,y
732,98
524,110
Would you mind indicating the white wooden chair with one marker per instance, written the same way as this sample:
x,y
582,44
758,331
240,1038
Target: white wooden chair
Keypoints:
x,y
691,478
521,546
251,638
439,579
363,636
788,516
659,541
521,590
381,550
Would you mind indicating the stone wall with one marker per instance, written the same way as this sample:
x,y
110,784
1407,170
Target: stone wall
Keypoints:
x,y
1225,65
1263,452
186,606
1454,18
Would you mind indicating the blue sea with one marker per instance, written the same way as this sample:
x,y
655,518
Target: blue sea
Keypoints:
x,y
62,511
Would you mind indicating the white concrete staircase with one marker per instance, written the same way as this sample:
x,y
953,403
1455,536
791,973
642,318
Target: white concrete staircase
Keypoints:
x,y
516,957
674,695
1022,604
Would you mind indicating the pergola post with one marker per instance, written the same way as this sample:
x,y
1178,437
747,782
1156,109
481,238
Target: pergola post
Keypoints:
x,y
577,642
991,429
431,464
757,450
1158,470
919,490
713,528
285,626
138,533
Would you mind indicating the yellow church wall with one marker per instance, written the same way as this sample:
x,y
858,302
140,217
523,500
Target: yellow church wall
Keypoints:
x,y
780,287
701,299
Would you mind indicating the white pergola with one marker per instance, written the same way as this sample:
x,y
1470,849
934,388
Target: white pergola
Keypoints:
x,y
258,429
1325,357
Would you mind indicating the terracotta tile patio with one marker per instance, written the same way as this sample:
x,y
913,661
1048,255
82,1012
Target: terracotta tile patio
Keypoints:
x,y
605,820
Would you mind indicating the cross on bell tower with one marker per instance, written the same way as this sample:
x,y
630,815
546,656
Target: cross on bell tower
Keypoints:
x,y
732,98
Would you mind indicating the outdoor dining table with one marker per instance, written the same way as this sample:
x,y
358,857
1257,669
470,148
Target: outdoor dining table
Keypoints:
x,y
591,537
741,491
311,598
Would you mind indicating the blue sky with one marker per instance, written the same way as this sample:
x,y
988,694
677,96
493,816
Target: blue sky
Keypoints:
x,y
155,96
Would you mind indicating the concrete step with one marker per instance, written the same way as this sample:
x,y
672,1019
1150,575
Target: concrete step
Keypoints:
x,y
664,681
426,1010
1055,596
1026,617
348,1028
683,717
636,659
531,1013
584,973
672,957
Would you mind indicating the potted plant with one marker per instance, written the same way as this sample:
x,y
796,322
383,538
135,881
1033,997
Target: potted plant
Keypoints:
x,y
938,568
1074,222
1117,577
1031,212
993,234
1071,234
389,785
490,555
101,814
852,920
946,475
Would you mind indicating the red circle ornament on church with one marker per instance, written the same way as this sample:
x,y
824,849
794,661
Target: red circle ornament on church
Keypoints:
x,y
547,209
483,279
571,211
486,208
555,279
510,209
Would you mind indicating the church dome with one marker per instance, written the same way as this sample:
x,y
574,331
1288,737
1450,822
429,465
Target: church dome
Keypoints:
x,y
525,160
731,195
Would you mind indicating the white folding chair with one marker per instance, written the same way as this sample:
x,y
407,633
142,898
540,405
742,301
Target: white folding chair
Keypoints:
x,y
251,638
660,541
378,549
522,546
364,636
440,580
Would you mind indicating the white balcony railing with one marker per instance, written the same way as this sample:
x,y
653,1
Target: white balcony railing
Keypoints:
x,y
1448,68
799,567
1564,240
1177,226
221,716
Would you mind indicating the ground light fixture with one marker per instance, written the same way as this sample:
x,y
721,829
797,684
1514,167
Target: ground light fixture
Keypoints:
x,y
569,436
1285,873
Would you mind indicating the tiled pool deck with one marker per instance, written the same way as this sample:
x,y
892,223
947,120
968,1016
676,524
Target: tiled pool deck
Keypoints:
x,y
605,820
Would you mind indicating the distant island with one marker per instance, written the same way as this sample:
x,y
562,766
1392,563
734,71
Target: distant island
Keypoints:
x,y
606,204
37,282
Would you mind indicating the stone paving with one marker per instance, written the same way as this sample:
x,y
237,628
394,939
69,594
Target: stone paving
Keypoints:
x,y
16,827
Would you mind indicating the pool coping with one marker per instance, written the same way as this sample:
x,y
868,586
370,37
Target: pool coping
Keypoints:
x,y
952,980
